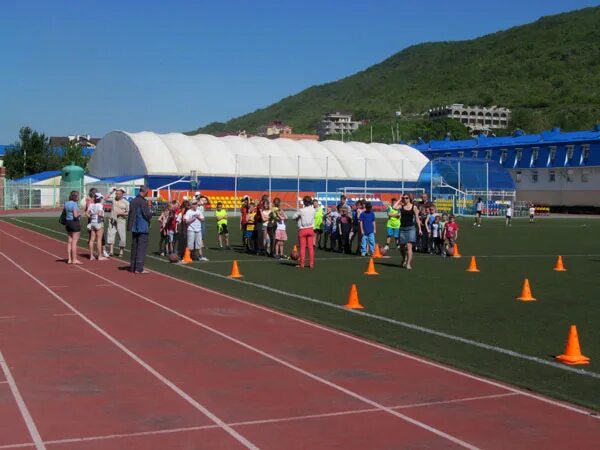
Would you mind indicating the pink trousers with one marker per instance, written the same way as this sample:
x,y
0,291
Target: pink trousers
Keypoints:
x,y
306,237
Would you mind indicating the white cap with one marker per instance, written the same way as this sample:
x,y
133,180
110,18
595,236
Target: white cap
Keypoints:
x,y
197,193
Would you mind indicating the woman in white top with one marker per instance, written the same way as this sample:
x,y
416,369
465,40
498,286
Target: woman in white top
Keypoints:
x,y
95,213
306,234
194,219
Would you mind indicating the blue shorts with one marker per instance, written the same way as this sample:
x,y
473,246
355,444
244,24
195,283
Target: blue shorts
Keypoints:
x,y
248,234
408,235
393,232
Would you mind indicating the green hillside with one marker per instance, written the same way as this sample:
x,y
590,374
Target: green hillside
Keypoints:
x,y
548,72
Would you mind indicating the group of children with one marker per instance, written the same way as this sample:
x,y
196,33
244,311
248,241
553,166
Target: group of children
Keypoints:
x,y
183,226
439,231
263,226
342,228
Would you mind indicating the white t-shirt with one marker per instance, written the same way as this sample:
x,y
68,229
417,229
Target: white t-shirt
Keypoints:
x,y
95,210
532,211
281,225
435,230
509,211
479,206
196,225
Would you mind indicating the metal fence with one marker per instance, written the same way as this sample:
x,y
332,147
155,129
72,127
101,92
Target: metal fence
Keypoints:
x,y
45,196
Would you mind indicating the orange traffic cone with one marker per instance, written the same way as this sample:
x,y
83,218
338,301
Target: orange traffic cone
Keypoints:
x,y
526,292
456,252
573,354
377,252
187,258
235,271
353,302
473,265
559,267
371,268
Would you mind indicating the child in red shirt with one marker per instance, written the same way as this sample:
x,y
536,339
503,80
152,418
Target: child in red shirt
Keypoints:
x,y
450,232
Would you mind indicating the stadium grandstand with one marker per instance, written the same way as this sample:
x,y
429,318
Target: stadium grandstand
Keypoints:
x,y
553,167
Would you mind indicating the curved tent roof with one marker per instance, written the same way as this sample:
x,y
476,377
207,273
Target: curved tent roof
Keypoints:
x,y
121,153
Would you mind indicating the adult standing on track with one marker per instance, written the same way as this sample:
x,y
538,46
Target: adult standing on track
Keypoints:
x,y
73,227
409,223
306,234
140,216
117,223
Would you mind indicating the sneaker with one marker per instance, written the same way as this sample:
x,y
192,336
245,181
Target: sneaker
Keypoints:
x,y
105,253
203,258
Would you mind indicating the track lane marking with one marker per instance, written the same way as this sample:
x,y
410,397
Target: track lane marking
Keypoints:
x,y
241,439
258,422
231,339
31,427
334,331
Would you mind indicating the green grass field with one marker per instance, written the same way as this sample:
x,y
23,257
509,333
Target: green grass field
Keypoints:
x,y
439,295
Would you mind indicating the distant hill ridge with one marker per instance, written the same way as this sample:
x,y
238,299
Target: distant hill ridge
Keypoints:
x,y
547,71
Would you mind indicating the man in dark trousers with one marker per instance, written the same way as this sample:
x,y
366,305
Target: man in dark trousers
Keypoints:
x,y
138,223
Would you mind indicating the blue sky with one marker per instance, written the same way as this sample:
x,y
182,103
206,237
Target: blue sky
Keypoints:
x,y
91,66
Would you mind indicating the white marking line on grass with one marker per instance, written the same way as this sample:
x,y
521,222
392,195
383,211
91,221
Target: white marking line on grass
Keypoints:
x,y
260,421
33,431
347,335
134,357
236,341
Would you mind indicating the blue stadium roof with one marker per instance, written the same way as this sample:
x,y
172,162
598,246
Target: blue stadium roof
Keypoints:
x,y
554,135
39,177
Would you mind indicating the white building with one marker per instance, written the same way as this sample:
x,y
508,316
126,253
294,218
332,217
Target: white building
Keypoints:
x,y
337,123
476,118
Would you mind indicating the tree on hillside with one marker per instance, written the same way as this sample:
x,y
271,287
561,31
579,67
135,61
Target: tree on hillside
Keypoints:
x,y
73,154
32,154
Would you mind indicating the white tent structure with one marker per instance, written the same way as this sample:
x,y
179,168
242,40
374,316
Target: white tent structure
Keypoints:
x,y
149,154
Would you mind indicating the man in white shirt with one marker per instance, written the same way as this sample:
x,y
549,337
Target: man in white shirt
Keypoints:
x,y
194,220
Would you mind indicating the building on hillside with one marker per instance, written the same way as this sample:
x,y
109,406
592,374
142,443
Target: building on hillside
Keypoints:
x,y
553,167
337,122
274,128
296,137
476,118
86,141
240,133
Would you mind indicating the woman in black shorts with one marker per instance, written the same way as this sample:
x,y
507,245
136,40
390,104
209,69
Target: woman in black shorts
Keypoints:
x,y
72,226
409,224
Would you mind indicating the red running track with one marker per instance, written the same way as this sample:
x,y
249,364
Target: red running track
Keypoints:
x,y
103,359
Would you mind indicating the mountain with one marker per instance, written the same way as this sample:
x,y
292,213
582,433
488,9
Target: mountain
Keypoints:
x,y
547,71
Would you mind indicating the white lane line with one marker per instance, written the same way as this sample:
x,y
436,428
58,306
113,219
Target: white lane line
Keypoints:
x,y
341,333
261,421
64,315
33,431
4,382
58,287
242,344
7,317
137,359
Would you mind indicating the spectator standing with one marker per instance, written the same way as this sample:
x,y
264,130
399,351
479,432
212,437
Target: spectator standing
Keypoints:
x,y
117,223
72,226
138,223
194,220
306,234
95,214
